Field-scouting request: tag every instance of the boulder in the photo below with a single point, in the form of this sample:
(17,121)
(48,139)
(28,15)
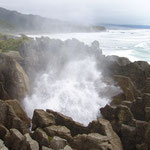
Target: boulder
(46,148)
(147,113)
(67,148)
(141,128)
(29,143)
(128,137)
(127,103)
(9,119)
(92,141)
(42,119)
(58,143)
(145,67)
(104,127)
(41,137)
(146,99)
(14,83)
(117,116)
(135,71)
(127,86)
(138,109)
(121,61)
(108,112)
(147,136)
(19,111)
(142,146)
(147,86)
(118,99)
(60,131)
(4,132)
(16,139)
(2,146)
(74,127)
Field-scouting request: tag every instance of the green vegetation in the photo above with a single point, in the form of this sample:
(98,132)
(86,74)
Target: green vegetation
(12,44)
(50,138)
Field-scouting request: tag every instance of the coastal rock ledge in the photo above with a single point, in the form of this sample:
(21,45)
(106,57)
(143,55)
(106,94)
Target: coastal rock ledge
(52,130)
(125,122)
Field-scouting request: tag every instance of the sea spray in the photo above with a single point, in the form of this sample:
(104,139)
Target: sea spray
(72,85)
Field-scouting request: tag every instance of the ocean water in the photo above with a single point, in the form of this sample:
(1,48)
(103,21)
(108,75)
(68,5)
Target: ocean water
(133,44)
(76,88)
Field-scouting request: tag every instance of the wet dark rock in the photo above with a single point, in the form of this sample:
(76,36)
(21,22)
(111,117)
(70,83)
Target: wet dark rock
(147,113)
(18,138)
(141,128)
(19,111)
(142,146)
(118,99)
(2,146)
(42,119)
(128,113)
(46,148)
(41,137)
(127,86)
(74,127)
(147,86)
(4,132)
(128,137)
(104,127)
(58,143)
(67,148)
(127,103)
(60,131)
(92,141)
(14,83)
(117,116)
(137,108)
(146,99)
(9,118)
(29,143)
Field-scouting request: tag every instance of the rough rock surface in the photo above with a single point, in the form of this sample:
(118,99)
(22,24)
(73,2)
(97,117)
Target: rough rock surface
(58,143)
(14,83)
(16,56)
(75,127)
(2,146)
(41,137)
(9,118)
(129,116)
(127,86)
(19,111)
(60,131)
(18,138)
(104,127)
(29,143)
(42,119)
(117,116)
(92,141)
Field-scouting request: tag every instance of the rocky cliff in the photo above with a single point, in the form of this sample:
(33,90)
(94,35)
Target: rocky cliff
(125,123)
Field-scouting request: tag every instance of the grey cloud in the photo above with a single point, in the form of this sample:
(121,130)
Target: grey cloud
(86,11)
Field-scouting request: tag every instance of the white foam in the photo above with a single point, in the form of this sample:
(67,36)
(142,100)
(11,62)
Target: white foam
(73,90)
(113,41)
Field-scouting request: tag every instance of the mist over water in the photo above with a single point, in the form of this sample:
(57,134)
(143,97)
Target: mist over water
(133,44)
(72,84)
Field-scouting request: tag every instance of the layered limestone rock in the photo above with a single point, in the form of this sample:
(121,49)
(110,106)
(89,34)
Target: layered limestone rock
(10,119)
(14,83)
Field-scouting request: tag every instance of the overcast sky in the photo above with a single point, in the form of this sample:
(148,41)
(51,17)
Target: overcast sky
(86,11)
